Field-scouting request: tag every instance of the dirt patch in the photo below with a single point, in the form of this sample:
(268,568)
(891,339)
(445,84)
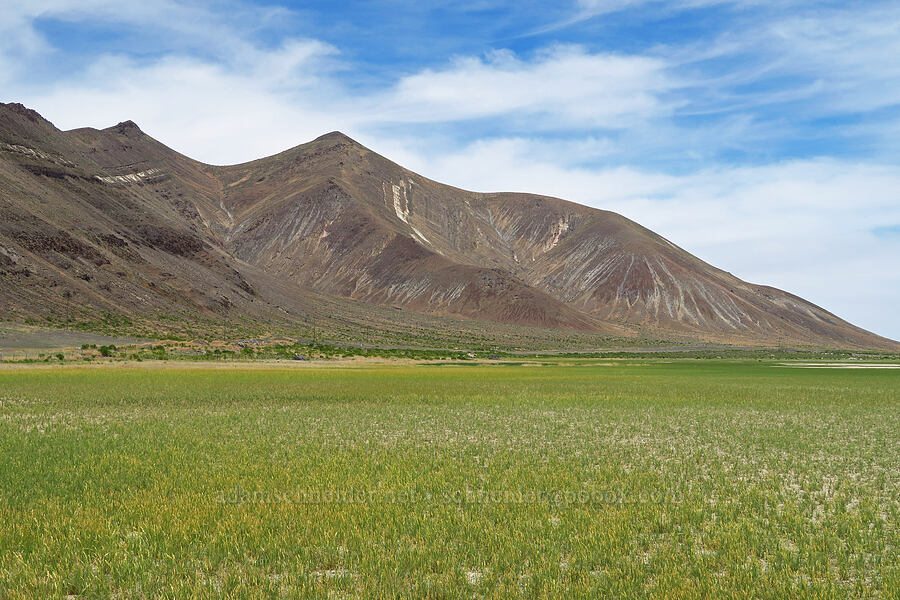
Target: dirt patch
(15,337)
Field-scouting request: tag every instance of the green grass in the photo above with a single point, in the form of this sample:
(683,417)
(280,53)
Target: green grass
(693,479)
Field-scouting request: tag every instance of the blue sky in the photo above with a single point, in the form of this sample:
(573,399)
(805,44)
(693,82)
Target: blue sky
(764,136)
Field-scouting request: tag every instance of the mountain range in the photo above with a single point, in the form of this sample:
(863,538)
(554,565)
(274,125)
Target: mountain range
(112,222)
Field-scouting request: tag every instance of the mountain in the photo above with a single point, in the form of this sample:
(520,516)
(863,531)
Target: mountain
(113,222)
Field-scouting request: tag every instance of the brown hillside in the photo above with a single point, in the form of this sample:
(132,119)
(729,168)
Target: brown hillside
(112,220)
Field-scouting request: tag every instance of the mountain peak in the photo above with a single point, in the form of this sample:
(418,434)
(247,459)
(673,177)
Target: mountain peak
(125,128)
(336,136)
(22,110)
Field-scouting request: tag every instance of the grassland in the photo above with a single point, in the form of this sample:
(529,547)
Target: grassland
(693,479)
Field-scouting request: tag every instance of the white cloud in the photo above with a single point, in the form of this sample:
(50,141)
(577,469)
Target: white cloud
(211,112)
(237,101)
(271,99)
(563,86)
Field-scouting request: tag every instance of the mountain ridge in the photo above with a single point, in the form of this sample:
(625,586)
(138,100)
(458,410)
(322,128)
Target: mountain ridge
(333,218)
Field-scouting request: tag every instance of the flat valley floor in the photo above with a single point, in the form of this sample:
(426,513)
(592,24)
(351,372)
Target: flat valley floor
(581,479)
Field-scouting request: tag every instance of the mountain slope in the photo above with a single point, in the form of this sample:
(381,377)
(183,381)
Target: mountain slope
(115,221)
(598,262)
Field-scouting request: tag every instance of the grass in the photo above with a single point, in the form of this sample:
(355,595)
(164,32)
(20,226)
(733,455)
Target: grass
(682,479)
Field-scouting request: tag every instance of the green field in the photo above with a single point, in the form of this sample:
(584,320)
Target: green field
(693,479)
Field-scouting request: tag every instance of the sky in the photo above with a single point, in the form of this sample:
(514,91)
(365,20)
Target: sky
(762,136)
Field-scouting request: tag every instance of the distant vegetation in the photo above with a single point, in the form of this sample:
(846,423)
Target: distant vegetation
(402,329)
(261,350)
